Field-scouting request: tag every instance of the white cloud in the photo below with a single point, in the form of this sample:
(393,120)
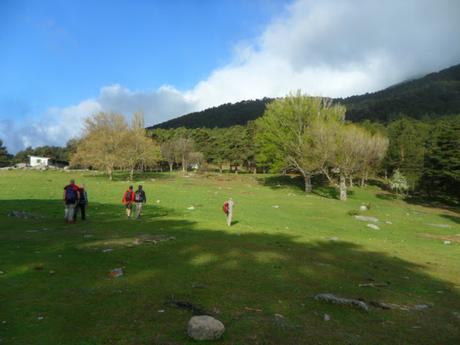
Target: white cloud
(329,47)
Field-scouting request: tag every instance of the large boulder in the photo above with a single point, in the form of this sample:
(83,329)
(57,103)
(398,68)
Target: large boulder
(204,327)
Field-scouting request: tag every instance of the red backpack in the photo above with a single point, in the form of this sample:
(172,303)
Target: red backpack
(225,207)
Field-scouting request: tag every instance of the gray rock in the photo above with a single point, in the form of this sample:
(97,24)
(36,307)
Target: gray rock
(367,219)
(445,226)
(205,327)
(373,226)
(327,317)
(363,208)
(330,298)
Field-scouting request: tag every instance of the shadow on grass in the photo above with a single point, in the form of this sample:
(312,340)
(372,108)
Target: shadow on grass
(243,279)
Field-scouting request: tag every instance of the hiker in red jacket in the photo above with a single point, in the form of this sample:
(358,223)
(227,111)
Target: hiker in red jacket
(128,200)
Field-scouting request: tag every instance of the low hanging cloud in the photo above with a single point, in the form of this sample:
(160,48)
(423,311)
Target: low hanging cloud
(330,48)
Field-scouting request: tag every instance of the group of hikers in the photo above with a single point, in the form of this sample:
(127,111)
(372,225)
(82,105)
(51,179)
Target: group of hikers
(76,200)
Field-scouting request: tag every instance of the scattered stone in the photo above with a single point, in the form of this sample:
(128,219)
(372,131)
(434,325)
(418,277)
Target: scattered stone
(421,306)
(333,239)
(393,306)
(23,215)
(456,314)
(205,327)
(116,272)
(158,201)
(161,311)
(107,250)
(388,222)
(275,206)
(375,285)
(447,242)
(440,225)
(253,309)
(367,219)
(1,272)
(373,226)
(40,318)
(363,208)
(51,272)
(280,321)
(330,298)
(153,239)
(191,208)
(87,236)
(327,317)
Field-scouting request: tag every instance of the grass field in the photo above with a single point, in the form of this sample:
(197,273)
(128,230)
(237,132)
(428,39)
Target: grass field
(55,287)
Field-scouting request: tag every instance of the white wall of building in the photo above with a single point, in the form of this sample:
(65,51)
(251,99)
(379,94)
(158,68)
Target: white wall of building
(38,161)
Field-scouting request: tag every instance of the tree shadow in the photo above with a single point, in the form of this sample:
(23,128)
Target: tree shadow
(452,218)
(386,196)
(282,182)
(260,285)
(427,201)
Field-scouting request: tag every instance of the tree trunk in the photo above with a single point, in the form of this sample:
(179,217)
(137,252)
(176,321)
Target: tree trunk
(109,172)
(255,171)
(131,174)
(220,168)
(307,181)
(363,181)
(183,164)
(343,188)
(350,179)
(236,169)
(171,166)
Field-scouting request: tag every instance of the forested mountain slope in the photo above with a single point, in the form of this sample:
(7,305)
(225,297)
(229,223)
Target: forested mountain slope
(435,94)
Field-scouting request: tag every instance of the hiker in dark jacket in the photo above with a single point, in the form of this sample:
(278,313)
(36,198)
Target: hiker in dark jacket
(140,200)
(71,197)
(82,203)
(128,200)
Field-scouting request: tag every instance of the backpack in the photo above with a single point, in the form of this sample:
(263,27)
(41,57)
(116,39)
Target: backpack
(225,207)
(128,196)
(83,200)
(70,194)
(139,196)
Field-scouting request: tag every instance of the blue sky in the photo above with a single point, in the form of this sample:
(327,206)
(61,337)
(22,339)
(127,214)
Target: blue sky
(55,53)
(62,61)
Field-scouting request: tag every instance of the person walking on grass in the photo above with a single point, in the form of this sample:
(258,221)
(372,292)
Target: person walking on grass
(128,200)
(82,203)
(228,210)
(140,200)
(71,198)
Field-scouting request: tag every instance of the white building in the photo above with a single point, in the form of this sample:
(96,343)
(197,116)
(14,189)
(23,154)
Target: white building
(38,161)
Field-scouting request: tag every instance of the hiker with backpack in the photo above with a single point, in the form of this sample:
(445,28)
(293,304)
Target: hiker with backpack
(140,200)
(71,197)
(128,200)
(228,210)
(82,202)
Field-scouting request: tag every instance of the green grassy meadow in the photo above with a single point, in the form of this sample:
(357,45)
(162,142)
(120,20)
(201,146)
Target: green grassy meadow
(273,260)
